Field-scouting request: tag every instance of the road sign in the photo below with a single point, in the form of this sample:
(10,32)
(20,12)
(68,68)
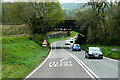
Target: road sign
(52,35)
(44,43)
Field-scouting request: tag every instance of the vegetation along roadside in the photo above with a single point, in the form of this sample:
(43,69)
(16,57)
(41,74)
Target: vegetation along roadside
(21,55)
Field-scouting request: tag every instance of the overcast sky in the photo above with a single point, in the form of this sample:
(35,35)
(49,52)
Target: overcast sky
(72,1)
(61,1)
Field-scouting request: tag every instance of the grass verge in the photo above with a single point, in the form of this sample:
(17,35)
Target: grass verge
(20,56)
(51,40)
(106,50)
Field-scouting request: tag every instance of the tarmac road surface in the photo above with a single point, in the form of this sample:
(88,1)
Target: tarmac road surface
(62,62)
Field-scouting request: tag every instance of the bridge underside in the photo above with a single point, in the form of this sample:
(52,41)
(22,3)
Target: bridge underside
(67,25)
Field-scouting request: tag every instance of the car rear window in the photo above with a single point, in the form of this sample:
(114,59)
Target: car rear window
(76,45)
(71,41)
(94,49)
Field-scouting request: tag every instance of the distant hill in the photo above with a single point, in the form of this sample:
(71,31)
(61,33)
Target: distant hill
(71,6)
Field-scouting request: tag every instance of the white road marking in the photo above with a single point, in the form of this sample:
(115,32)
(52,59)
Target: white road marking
(110,59)
(70,62)
(86,66)
(40,64)
(61,63)
(47,59)
(81,65)
(57,64)
(90,72)
(53,51)
(66,62)
(95,60)
(54,65)
(51,64)
(63,59)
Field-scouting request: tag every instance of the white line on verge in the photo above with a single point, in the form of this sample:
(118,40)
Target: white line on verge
(53,51)
(110,59)
(40,64)
(81,65)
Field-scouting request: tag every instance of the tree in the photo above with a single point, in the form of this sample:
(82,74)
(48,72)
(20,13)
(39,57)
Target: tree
(100,22)
(38,15)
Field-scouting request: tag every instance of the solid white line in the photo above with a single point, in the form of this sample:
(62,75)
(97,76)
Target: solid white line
(86,66)
(53,51)
(39,65)
(110,59)
(83,65)
(80,65)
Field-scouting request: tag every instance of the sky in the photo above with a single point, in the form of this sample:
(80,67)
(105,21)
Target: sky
(72,1)
(61,1)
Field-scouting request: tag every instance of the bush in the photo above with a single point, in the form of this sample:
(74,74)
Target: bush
(38,38)
(79,39)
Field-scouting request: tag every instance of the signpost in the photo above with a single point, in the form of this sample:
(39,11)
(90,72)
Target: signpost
(52,35)
(44,43)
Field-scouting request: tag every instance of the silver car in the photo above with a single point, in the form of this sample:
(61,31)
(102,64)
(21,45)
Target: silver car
(93,52)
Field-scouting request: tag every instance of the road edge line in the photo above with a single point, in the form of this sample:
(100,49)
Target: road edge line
(90,72)
(110,59)
(81,65)
(41,64)
(86,67)
(53,51)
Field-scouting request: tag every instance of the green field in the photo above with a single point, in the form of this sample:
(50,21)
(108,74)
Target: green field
(106,50)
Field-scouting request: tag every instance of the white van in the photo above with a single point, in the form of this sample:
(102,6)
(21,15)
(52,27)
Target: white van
(69,42)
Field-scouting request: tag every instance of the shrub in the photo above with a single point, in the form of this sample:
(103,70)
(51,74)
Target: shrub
(38,38)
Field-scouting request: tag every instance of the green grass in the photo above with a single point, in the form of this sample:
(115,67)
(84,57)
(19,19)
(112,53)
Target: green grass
(51,40)
(20,56)
(106,50)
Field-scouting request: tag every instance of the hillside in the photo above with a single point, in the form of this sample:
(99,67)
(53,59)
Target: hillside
(72,6)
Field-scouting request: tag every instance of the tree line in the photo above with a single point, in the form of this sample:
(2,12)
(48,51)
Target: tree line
(38,15)
(100,22)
